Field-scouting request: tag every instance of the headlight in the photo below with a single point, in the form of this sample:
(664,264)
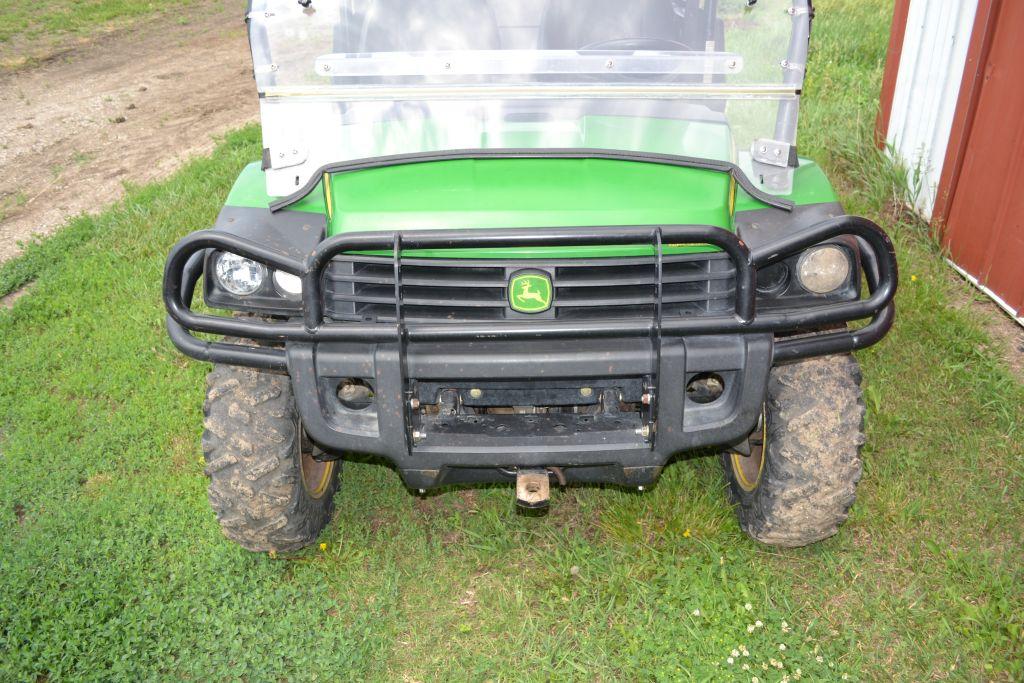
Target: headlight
(823,269)
(239,275)
(287,285)
(773,279)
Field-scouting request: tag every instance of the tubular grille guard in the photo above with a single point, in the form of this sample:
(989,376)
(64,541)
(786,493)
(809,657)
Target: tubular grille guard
(184,267)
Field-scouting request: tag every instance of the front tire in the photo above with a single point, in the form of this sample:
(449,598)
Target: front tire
(799,481)
(267,491)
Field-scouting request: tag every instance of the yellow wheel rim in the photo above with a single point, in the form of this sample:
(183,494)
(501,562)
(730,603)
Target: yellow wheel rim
(747,469)
(316,475)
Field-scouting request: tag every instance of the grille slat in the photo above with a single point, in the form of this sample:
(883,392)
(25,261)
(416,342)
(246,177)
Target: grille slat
(361,288)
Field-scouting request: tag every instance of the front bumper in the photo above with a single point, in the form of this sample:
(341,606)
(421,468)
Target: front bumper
(408,363)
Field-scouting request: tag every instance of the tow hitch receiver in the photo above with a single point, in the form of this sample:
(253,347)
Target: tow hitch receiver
(533,489)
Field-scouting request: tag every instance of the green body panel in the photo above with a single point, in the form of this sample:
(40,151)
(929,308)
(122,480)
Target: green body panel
(250,190)
(810,186)
(539,193)
(526,193)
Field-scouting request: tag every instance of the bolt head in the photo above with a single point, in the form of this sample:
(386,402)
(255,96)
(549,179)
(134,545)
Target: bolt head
(414,403)
(586,392)
(475,393)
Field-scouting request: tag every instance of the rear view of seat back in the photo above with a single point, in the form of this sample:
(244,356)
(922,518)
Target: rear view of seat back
(423,25)
(578,24)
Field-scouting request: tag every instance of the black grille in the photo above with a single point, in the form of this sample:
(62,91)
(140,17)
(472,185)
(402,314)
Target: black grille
(362,288)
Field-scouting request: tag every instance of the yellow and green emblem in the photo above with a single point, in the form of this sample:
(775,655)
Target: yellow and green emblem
(529,292)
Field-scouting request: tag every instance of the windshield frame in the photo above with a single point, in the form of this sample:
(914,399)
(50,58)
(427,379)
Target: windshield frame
(482,76)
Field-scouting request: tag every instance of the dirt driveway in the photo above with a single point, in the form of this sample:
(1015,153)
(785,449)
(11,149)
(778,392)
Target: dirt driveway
(131,107)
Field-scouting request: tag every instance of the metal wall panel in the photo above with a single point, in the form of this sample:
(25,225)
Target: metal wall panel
(930,72)
(984,228)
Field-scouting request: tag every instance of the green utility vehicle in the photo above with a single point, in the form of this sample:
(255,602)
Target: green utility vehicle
(540,242)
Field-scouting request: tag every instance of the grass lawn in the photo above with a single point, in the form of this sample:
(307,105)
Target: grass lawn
(112,565)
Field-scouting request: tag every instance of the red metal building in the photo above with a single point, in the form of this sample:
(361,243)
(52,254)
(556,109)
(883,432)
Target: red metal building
(965,57)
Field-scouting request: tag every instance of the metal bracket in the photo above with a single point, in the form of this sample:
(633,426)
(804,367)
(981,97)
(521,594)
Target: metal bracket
(774,153)
(797,11)
(284,156)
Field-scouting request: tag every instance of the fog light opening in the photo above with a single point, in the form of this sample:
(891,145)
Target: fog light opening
(706,387)
(355,394)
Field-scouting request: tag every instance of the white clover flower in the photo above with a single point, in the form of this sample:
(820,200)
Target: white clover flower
(782,646)
(845,677)
(748,607)
(755,679)
(759,623)
(735,653)
(750,628)
(729,660)
(746,667)
(819,659)
(696,612)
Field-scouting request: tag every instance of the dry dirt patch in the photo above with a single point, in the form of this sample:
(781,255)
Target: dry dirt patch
(130,107)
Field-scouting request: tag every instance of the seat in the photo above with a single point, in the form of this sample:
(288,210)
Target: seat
(614,24)
(426,25)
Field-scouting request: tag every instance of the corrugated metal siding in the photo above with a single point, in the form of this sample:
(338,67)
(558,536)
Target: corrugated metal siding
(984,221)
(930,71)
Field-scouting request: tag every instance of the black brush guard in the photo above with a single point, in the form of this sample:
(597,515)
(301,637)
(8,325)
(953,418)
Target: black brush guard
(185,263)
(403,357)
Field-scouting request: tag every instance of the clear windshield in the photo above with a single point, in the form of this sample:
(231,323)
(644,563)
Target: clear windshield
(353,79)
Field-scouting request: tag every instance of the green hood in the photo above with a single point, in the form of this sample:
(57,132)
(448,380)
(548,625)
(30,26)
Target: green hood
(526,193)
(530,193)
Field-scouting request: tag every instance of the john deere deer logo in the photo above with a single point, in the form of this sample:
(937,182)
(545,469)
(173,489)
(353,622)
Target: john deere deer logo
(529,292)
